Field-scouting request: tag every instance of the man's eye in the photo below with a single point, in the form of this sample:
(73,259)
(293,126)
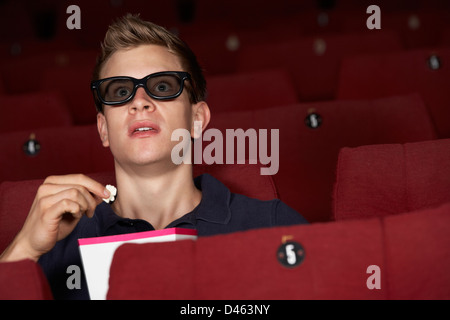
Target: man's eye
(162,87)
(122,92)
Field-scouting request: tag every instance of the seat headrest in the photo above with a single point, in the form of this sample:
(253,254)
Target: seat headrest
(380,180)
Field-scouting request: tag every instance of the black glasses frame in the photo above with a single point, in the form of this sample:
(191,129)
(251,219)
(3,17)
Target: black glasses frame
(99,101)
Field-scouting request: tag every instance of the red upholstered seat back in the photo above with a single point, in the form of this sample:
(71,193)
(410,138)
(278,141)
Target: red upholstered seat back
(250,90)
(410,250)
(78,94)
(33,111)
(65,150)
(308,156)
(23,280)
(417,254)
(380,75)
(244,265)
(389,179)
(314,61)
(33,66)
(16,197)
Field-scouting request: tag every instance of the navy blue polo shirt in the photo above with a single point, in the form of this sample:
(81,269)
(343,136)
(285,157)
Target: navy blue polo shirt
(218,212)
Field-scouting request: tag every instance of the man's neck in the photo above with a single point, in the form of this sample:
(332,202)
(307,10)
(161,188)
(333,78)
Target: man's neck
(158,198)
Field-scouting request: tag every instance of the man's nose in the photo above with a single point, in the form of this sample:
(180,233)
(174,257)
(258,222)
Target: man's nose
(141,101)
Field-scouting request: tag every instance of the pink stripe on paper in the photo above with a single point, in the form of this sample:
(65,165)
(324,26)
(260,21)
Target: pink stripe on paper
(137,235)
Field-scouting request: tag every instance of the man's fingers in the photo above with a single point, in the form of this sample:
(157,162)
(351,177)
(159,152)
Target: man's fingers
(60,203)
(67,195)
(90,184)
(63,217)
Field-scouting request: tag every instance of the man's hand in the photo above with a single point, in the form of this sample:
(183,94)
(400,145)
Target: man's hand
(59,204)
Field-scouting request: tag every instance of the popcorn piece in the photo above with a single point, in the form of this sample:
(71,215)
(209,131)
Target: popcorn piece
(113,191)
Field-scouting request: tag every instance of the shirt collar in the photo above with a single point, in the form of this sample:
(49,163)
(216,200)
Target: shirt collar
(214,206)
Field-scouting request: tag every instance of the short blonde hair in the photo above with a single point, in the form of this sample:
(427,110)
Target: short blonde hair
(131,31)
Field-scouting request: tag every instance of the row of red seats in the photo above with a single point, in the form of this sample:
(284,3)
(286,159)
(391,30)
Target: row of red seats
(335,256)
(310,136)
(314,62)
(338,256)
(414,29)
(36,110)
(212,42)
(423,71)
(419,22)
(339,13)
(219,46)
(219,53)
(406,256)
(334,74)
(47,19)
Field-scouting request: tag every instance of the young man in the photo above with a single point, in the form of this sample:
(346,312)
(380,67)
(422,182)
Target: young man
(147,83)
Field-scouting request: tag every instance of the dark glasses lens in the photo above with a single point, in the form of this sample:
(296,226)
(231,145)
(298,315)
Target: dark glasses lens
(164,85)
(161,86)
(116,90)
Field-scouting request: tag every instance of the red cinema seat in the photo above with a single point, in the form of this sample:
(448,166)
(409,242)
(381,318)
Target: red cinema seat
(27,47)
(2,87)
(424,71)
(311,134)
(33,111)
(245,13)
(25,74)
(249,91)
(245,265)
(332,21)
(73,82)
(23,280)
(16,197)
(416,251)
(445,40)
(388,179)
(217,43)
(417,28)
(314,61)
(214,44)
(35,154)
(398,257)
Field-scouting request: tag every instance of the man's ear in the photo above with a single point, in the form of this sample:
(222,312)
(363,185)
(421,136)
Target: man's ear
(200,112)
(102,129)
